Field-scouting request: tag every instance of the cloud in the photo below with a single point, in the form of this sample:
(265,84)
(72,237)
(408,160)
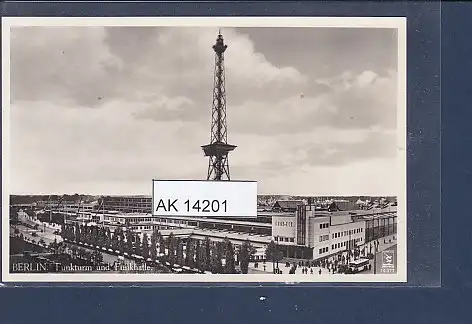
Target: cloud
(105,110)
(354,101)
(375,145)
(62,64)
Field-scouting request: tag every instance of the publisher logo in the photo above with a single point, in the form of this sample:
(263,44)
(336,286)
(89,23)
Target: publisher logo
(388,262)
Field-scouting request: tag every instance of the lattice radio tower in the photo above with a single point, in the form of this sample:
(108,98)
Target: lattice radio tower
(218,149)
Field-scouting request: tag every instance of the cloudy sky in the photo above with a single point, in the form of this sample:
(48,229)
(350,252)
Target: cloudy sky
(104,110)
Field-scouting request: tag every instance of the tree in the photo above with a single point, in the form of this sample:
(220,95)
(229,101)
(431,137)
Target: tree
(229,256)
(272,253)
(246,251)
(162,245)
(145,246)
(113,239)
(54,246)
(99,233)
(153,248)
(129,242)
(74,251)
(97,257)
(77,233)
(215,258)
(107,237)
(171,248)
(120,238)
(180,252)
(206,256)
(198,255)
(189,249)
(88,234)
(137,250)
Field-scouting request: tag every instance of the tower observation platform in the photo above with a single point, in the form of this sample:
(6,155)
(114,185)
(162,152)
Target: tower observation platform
(218,149)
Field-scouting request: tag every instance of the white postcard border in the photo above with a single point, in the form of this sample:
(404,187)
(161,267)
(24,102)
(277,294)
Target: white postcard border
(398,23)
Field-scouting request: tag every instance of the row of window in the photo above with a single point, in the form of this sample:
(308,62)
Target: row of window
(338,245)
(143,227)
(344,244)
(324,225)
(324,238)
(346,233)
(140,220)
(128,200)
(284,239)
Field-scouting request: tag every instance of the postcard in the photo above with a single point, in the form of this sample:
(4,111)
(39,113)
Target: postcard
(204,150)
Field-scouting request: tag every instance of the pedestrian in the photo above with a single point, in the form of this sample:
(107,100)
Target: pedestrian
(311,271)
(319,271)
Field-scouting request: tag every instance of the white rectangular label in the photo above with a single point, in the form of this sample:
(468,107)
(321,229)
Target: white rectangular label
(204,198)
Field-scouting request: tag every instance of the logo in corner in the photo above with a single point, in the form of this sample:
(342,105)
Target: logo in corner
(388,261)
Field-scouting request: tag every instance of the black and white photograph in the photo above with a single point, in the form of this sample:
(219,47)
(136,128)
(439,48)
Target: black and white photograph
(312,110)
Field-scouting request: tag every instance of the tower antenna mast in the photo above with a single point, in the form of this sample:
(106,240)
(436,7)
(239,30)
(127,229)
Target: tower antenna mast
(218,149)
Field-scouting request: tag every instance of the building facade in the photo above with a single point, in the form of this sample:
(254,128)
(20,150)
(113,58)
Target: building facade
(127,204)
(313,234)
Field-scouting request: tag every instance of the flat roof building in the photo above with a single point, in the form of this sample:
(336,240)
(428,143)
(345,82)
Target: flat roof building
(313,234)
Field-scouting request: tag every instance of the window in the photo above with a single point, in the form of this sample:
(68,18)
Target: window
(276,238)
(320,251)
(292,239)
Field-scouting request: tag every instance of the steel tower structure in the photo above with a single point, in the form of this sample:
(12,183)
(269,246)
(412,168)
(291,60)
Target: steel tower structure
(218,149)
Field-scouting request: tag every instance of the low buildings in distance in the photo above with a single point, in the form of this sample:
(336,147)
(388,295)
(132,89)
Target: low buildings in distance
(311,228)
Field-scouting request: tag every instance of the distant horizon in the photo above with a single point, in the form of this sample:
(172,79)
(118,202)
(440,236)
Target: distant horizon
(150,195)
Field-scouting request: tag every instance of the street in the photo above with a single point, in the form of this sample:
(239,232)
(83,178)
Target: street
(48,237)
